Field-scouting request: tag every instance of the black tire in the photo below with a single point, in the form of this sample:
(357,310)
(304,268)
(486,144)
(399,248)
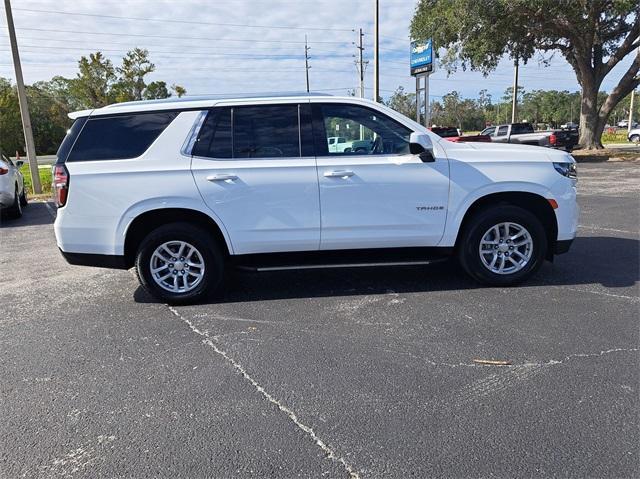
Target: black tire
(23,197)
(205,244)
(634,138)
(15,210)
(469,244)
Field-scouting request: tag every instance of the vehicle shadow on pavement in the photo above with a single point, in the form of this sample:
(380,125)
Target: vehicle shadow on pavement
(610,262)
(34,214)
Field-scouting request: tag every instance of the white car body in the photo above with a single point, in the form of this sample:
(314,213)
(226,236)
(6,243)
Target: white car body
(303,204)
(9,181)
(634,135)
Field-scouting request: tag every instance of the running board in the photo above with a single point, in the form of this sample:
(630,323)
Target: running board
(262,269)
(341,259)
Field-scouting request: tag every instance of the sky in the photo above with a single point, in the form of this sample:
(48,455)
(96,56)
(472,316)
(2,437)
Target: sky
(249,46)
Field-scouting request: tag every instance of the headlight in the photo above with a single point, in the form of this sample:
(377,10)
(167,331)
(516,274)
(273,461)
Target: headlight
(567,169)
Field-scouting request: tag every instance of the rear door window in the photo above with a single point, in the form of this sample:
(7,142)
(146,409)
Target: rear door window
(502,131)
(520,128)
(214,140)
(118,137)
(266,131)
(260,131)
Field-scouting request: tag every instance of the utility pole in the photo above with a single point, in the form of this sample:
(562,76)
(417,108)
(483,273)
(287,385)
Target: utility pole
(361,62)
(306,60)
(22,100)
(514,105)
(361,66)
(376,53)
(633,94)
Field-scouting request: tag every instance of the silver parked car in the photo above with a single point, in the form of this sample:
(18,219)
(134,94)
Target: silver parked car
(13,195)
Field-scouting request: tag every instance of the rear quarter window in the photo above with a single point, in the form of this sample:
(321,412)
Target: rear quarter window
(118,137)
(70,139)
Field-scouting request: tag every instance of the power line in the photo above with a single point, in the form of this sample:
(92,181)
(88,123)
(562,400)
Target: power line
(249,56)
(145,44)
(188,22)
(173,37)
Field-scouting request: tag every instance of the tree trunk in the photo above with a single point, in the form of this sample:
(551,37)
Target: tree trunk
(590,127)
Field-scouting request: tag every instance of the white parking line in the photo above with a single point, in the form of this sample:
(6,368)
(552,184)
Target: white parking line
(329,452)
(598,228)
(52,212)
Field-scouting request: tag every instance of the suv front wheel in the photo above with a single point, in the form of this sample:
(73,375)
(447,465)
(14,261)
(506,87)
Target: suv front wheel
(503,245)
(179,263)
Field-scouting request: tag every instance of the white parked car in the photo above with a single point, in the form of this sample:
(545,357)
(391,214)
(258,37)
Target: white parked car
(634,135)
(13,195)
(182,189)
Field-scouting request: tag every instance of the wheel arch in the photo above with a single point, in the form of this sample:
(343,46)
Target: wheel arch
(532,202)
(145,222)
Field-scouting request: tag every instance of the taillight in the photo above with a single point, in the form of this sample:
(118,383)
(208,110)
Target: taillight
(3,170)
(553,139)
(60,184)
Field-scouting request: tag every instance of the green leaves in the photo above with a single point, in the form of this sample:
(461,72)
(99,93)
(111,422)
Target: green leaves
(99,82)
(592,35)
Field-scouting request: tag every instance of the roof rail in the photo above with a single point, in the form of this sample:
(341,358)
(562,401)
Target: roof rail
(222,96)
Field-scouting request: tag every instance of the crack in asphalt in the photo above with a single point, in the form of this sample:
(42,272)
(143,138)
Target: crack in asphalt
(551,362)
(328,451)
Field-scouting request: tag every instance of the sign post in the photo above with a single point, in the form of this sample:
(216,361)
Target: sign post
(421,62)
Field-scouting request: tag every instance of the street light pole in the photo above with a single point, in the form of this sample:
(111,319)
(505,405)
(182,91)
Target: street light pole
(22,100)
(376,53)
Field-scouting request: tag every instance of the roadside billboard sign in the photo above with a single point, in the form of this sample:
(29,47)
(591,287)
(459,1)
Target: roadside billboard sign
(421,58)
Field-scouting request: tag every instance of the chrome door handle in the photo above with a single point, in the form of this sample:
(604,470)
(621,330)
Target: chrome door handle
(221,177)
(338,174)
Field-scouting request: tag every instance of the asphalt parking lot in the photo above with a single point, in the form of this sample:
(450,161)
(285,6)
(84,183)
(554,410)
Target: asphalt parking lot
(337,373)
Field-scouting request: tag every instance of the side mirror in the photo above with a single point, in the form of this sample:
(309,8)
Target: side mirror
(19,163)
(420,144)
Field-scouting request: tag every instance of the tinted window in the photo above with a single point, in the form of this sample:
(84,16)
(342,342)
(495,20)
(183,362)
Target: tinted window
(70,139)
(488,131)
(214,140)
(445,132)
(364,131)
(502,130)
(119,137)
(266,131)
(519,128)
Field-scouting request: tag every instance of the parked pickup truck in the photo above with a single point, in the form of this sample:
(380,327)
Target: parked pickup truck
(524,134)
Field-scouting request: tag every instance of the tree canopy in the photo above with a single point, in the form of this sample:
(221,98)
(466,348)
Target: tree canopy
(593,36)
(97,83)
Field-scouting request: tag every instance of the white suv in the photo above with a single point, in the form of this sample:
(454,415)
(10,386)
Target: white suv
(182,189)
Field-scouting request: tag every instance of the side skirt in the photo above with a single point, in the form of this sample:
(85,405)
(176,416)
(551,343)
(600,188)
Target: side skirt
(340,259)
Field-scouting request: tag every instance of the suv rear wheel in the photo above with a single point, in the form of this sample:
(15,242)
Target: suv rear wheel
(503,245)
(179,263)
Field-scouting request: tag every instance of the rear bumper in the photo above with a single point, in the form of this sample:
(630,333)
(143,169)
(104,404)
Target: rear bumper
(95,260)
(563,246)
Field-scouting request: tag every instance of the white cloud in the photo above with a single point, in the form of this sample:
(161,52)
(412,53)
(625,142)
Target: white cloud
(215,59)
